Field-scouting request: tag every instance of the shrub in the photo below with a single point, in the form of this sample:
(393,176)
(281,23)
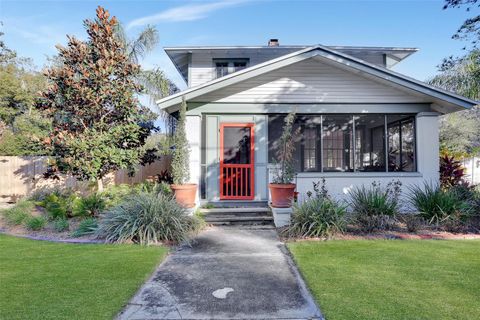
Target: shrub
(164,188)
(375,208)
(147,218)
(56,206)
(61,224)
(60,205)
(181,153)
(317,217)
(452,172)
(115,194)
(152,187)
(91,205)
(35,223)
(18,213)
(165,176)
(285,168)
(86,227)
(437,206)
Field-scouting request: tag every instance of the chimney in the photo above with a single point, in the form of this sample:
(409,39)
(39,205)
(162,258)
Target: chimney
(273,43)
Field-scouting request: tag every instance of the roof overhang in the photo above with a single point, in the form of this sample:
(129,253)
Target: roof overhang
(445,101)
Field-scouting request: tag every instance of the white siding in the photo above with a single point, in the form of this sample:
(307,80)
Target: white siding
(310,81)
(202,69)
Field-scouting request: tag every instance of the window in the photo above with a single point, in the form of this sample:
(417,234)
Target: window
(221,69)
(370,143)
(227,66)
(337,137)
(401,143)
(239,65)
(347,143)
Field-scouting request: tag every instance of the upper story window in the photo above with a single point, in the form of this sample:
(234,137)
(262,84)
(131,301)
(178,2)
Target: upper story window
(227,66)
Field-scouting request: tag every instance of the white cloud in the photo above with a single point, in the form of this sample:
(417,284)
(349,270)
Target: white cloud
(44,35)
(184,13)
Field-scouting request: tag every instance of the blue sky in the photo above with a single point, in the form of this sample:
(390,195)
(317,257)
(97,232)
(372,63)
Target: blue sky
(34,27)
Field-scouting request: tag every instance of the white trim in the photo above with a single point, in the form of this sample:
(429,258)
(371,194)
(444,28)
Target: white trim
(358,174)
(325,53)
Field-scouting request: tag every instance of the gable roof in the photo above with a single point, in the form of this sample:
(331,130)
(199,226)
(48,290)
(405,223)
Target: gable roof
(448,101)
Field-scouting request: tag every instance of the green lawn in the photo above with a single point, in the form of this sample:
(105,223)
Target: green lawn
(392,279)
(43,280)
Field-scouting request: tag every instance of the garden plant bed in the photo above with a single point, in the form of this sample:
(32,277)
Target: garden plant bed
(45,280)
(46,233)
(420,235)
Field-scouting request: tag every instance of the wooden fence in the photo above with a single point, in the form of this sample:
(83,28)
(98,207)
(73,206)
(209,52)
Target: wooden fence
(20,176)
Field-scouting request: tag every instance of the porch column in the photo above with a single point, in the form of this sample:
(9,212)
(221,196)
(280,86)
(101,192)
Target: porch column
(428,145)
(193,130)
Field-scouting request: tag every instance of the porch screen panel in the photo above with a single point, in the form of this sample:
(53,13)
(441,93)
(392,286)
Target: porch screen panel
(401,143)
(310,149)
(337,137)
(236,145)
(349,142)
(370,143)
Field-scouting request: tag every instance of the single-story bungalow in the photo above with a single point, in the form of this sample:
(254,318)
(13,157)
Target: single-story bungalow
(359,121)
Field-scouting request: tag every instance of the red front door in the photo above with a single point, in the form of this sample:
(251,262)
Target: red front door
(236,161)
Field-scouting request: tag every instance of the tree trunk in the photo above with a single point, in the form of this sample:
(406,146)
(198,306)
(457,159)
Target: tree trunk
(99,185)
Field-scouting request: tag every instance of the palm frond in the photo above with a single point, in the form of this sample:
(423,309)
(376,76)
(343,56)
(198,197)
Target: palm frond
(462,76)
(143,44)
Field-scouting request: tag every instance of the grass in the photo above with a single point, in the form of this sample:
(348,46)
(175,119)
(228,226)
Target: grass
(44,280)
(391,279)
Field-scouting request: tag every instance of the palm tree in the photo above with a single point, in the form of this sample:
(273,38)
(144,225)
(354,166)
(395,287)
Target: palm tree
(155,82)
(459,132)
(460,75)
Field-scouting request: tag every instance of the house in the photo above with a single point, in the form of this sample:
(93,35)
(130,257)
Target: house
(359,121)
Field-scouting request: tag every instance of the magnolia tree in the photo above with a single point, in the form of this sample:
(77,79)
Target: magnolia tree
(99,125)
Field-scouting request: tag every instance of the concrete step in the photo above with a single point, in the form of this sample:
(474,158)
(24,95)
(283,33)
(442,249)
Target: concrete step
(250,211)
(238,220)
(237,203)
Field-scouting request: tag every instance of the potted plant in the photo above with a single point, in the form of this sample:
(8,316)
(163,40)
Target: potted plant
(282,189)
(184,192)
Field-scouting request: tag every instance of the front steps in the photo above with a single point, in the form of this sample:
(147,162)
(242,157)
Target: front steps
(245,216)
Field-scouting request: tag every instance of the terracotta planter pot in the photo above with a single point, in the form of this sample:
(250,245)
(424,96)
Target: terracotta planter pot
(185,194)
(282,194)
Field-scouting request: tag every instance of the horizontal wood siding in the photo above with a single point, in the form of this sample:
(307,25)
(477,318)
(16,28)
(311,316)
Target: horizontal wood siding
(202,69)
(310,81)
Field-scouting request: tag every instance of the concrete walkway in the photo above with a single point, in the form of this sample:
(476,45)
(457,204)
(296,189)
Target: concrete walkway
(228,273)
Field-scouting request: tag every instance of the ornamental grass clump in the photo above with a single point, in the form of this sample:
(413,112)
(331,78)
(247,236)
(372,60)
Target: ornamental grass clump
(375,208)
(146,218)
(17,214)
(86,227)
(318,216)
(440,207)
